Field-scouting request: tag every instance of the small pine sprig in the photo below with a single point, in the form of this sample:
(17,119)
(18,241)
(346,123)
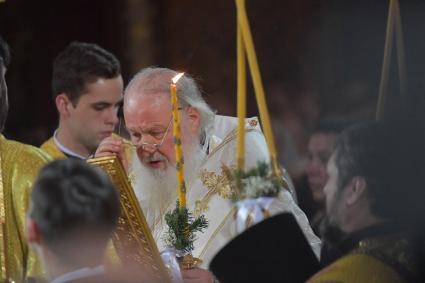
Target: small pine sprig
(182,227)
(256,182)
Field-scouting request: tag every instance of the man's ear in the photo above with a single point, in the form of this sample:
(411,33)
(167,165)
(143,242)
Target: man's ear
(33,233)
(194,119)
(356,190)
(63,104)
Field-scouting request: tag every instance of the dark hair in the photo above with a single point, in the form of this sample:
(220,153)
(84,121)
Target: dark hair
(81,63)
(71,202)
(4,52)
(391,158)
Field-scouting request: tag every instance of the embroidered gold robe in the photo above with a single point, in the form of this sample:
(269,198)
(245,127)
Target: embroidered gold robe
(19,168)
(51,148)
(380,259)
(209,192)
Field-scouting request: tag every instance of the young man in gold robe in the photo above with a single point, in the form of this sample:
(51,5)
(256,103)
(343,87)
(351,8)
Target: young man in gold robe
(87,90)
(19,167)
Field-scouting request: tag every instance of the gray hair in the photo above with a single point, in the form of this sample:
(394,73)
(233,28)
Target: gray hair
(155,80)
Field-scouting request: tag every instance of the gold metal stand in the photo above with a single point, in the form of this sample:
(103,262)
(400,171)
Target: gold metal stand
(188,262)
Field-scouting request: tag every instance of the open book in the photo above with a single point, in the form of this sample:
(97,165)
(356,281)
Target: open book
(132,238)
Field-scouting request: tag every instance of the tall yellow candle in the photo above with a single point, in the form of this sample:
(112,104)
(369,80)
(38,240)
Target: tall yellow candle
(385,73)
(394,28)
(258,85)
(241,104)
(177,142)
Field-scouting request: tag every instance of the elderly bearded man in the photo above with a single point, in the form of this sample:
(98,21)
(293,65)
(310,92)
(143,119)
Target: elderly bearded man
(209,142)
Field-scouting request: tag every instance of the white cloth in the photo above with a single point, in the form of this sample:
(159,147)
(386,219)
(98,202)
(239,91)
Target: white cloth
(209,193)
(79,274)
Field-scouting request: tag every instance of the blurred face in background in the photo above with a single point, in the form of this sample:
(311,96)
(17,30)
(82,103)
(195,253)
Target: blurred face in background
(320,148)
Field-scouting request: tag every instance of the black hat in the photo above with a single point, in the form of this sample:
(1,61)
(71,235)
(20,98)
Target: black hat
(275,250)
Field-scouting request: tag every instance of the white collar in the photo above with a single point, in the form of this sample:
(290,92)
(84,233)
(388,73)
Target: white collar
(64,149)
(80,273)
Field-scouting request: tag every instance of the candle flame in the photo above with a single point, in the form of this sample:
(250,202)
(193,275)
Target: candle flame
(177,77)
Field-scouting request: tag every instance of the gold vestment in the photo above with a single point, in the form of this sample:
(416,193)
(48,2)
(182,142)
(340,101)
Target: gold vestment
(20,164)
(52,149)
(380,259)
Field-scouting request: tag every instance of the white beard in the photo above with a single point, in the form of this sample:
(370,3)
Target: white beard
(156,189)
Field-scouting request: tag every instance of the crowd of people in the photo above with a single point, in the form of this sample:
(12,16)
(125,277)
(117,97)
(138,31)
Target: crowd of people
(58,217)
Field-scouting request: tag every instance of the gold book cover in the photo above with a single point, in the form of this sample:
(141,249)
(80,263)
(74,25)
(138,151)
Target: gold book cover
(132,238)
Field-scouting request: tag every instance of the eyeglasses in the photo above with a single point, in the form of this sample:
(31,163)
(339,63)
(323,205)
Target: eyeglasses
(154,146)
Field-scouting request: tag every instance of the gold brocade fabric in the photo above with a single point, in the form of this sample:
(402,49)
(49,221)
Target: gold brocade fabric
(19,167)
(384,259)
(53,150)
(357,268)
(50,147)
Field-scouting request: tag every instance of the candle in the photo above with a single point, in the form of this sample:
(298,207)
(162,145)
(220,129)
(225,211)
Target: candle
(258,86)
(394,28)
(177,142)
(241,104)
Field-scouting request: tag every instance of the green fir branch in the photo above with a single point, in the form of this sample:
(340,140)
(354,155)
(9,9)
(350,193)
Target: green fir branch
(182,227)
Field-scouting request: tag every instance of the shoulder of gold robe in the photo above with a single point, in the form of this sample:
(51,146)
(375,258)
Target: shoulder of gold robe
(51,148)
(357,268)
(20,166)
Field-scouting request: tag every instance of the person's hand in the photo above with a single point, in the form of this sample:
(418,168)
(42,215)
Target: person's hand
(197,275)
(113,146)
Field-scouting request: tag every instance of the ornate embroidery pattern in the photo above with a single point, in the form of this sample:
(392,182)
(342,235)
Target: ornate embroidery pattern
(216,184)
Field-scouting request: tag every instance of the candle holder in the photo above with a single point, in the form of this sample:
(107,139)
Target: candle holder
(188,261)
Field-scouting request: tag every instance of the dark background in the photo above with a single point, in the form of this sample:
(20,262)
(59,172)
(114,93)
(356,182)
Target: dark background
(318,59)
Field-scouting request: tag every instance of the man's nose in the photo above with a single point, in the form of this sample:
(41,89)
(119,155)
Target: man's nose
(150,149)
(147,144)
(144,152)
(112,117)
